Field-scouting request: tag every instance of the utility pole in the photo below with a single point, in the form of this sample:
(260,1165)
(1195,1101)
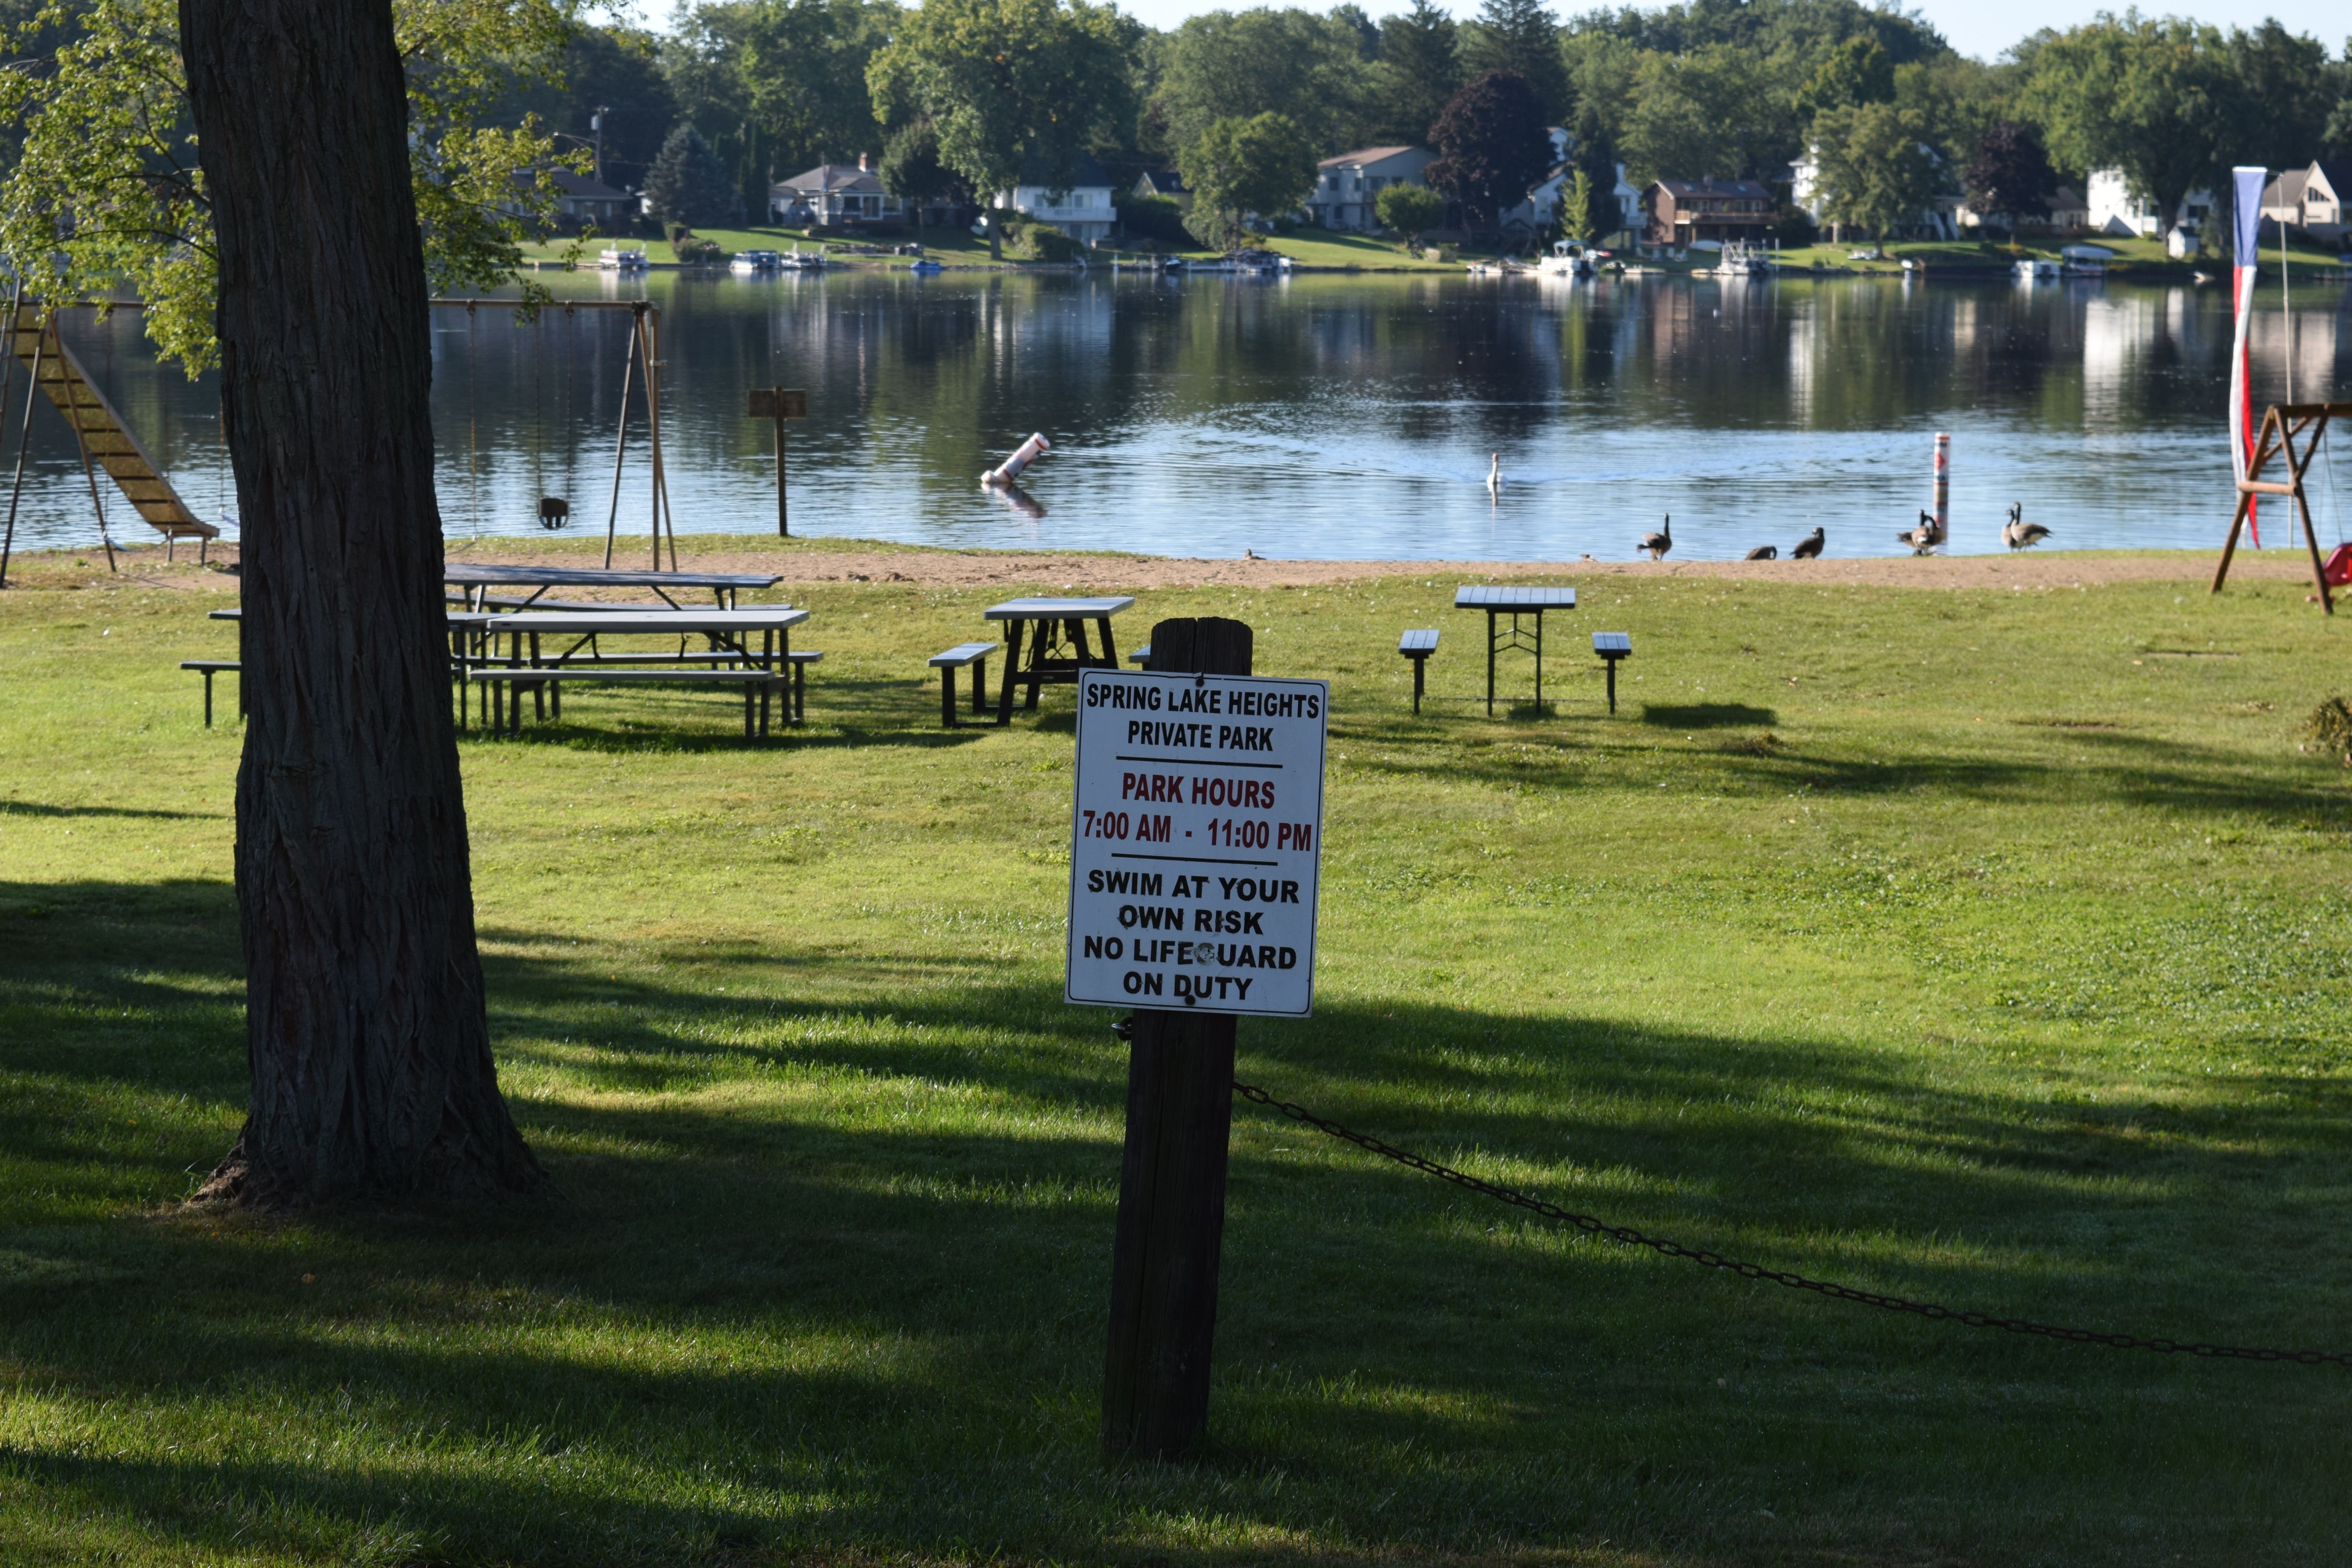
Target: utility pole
(596,123)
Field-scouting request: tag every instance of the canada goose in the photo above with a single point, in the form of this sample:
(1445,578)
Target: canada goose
(1809,547)
(1658,543)
(1765,553)
(1922,538)
(2018,533)
(1495,474)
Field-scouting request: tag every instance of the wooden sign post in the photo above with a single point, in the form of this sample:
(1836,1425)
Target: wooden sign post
(778,404)
(1238,765)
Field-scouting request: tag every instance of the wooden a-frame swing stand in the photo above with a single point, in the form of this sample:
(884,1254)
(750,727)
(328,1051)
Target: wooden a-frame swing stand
(2283,424)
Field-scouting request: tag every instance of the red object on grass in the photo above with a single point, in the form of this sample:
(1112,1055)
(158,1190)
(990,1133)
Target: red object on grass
(2338,568)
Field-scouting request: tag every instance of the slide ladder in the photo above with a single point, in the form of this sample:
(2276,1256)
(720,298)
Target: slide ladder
(104,435)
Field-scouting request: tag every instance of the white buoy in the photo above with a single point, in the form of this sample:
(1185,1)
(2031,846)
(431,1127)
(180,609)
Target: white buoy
(1943,508)
(1028,452)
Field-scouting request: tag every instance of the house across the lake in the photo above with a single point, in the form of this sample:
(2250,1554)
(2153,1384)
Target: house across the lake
(832,195)
(1347,187)
(2313,199)
(2114,209)
(1164,183)
(1083,210)
(1533,216)
(1685,211)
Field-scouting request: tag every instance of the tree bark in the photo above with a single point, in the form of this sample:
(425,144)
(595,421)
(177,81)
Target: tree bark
(366,1036)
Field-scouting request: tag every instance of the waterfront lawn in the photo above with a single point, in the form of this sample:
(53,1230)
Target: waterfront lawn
(2133,256)
(1988,946)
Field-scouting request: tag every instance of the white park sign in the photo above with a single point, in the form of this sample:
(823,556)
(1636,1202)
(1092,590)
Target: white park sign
(1196,842)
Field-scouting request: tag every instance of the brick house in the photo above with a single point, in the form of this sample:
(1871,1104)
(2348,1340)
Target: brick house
(1681,211)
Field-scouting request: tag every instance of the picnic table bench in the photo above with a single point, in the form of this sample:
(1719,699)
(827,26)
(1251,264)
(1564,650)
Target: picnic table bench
(1498,601)
(1417,646)
(761,671)
(1056,648)
(1612,647)
(973,654)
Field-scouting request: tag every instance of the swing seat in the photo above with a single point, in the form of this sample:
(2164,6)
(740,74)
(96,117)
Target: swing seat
(2337,568)
(554,511)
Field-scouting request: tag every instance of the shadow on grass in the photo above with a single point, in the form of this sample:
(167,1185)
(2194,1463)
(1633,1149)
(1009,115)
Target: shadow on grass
(1708,716)
(40,808)
(831,1271)
(847,713)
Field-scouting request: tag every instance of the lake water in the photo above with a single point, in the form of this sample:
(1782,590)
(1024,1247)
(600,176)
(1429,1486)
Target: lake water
(1323,416)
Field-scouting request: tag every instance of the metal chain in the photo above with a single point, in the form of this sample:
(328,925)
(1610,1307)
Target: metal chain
(1591,1226)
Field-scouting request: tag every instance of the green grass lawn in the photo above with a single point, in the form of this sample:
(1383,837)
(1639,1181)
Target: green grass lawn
(2141,256)
(1988,946)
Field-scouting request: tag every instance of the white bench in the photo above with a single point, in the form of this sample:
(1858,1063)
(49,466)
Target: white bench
(974,654)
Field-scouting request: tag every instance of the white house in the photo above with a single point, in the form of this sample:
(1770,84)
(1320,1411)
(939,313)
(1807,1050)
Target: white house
(1348,186)
(2113,209)
(1084,211)
(1536,214)
(832,194)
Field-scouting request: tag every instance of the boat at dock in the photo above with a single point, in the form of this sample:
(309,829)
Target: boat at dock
(1568,258)
(621,261)
(752,262)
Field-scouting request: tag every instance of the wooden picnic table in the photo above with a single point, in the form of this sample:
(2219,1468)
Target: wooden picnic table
(729,633)
(1056,648)
(478,579)
(1514,603)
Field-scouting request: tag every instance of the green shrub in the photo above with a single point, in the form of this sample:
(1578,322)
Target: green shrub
(692,251)
(1150,218)
(1044,242)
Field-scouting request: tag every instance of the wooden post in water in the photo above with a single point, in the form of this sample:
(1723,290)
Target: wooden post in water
(778,404)
(1171,1186)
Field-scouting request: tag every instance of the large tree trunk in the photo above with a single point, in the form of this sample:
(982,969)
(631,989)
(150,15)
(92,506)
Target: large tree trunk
(365,1030)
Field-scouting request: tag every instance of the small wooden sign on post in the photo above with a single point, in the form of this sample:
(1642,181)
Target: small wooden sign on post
(778,404)
(1196,842)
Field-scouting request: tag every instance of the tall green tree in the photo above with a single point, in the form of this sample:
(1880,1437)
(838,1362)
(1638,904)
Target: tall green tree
(1419,70)
(1875,172)
(1491,146)
(617,69)
(2146,95)
(1010,86)
(1237,168)
(688,184)
(911,169)
(2282,89)
(368,1058)
(1856,72)
(109,187)
(1593,152)
(2008,174)
(1576,207)
(1521,38)
(1710,113)
(1234,65)
(804,64)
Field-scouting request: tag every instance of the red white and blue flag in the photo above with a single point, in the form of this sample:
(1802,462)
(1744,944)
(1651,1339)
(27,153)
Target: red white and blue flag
(2246,211)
